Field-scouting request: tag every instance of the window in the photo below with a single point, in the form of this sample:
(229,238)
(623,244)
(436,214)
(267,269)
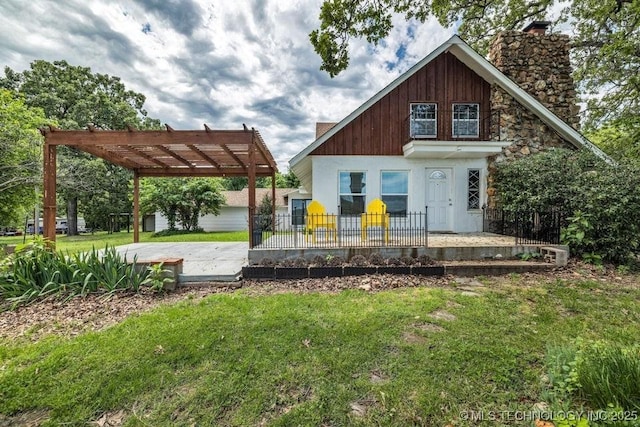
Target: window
(395,191)
(465,120)
(352,192)
(473,191)
(423,120)
(299,211)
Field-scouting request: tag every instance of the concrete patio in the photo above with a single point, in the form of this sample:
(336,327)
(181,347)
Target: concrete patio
(202,261)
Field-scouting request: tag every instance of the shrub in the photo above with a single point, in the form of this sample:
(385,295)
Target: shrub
(267,262)
(601,201)
(336,261)
(425,260)
(358,261)
(300,262)
(319,261)
(394,261)
(376,259)
(407,260)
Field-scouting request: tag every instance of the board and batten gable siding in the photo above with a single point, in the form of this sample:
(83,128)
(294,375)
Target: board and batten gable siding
(380,130)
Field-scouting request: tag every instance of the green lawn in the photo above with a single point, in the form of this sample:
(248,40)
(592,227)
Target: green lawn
(413,356)
(99,240)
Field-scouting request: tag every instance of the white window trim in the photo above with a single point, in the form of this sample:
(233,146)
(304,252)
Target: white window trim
(435,120)
(453,119)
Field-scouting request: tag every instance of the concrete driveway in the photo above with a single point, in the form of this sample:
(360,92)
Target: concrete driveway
(203,261)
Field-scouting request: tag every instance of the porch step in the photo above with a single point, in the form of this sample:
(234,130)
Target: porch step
(555,254)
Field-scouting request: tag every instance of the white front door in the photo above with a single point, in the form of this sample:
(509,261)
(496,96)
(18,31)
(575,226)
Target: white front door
(439,199)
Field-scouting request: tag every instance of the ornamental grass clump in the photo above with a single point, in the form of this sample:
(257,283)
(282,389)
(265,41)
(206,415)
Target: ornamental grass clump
(36,271)
(603,375)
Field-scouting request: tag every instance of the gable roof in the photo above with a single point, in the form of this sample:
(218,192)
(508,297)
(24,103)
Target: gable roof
(240,198)
(481,66)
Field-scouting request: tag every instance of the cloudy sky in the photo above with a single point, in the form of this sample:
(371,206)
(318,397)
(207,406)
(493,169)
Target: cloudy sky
(223,63)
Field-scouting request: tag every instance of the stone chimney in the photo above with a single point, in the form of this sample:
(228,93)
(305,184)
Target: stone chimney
(539,63)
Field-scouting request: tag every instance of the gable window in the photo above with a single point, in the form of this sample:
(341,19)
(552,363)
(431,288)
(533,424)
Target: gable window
(473,189)
(352,192)
(395,191)
(466,121)
(423,120)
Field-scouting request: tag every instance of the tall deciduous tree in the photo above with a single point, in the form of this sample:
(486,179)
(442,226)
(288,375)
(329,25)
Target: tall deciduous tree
(606,36)
(20,156)
(74,96)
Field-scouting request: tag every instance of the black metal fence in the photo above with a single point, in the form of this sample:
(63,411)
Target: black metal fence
(332,231)
(528,227)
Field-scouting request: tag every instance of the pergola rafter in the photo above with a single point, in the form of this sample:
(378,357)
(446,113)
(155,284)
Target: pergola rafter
(163,153)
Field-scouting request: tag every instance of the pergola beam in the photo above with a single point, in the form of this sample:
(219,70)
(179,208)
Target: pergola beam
(146,156)
(146,138)
(204,156)
(236,158)
(175,156)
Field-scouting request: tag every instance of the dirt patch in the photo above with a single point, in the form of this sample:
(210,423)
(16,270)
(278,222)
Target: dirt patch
(412,338)
(25,419)
(443,315)
(110,419)
(429,327)
(377,377)
(360,407)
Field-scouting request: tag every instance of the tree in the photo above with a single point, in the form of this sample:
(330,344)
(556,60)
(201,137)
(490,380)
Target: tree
(606,36)
(287,180)
(265,214)
(182,200)
(73,97)
(20,156)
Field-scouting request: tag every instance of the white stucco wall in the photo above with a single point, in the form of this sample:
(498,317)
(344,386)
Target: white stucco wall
(326,186)
(231,218)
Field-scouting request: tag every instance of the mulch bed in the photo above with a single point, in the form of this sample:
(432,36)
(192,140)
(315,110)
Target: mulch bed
(97,312)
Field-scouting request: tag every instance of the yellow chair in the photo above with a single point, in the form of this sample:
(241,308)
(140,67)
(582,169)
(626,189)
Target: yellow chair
(317,217)
(376,216)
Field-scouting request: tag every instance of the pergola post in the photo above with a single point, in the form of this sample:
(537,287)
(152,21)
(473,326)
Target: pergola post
(273,201)
(49,185)
(252,188)
(136,207)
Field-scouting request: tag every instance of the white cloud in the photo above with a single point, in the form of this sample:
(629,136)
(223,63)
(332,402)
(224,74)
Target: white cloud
(220,63)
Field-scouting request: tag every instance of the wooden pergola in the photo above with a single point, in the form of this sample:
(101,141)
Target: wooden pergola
(163,153)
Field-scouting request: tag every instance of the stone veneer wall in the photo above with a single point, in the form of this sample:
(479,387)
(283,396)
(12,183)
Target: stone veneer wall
(539,63)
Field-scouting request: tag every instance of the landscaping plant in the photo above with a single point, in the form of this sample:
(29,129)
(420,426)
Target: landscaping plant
(36,271)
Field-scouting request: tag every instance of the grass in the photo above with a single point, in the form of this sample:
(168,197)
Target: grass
(352,358)
(99,240)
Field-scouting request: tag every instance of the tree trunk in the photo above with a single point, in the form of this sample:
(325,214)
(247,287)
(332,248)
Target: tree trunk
(72,216)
